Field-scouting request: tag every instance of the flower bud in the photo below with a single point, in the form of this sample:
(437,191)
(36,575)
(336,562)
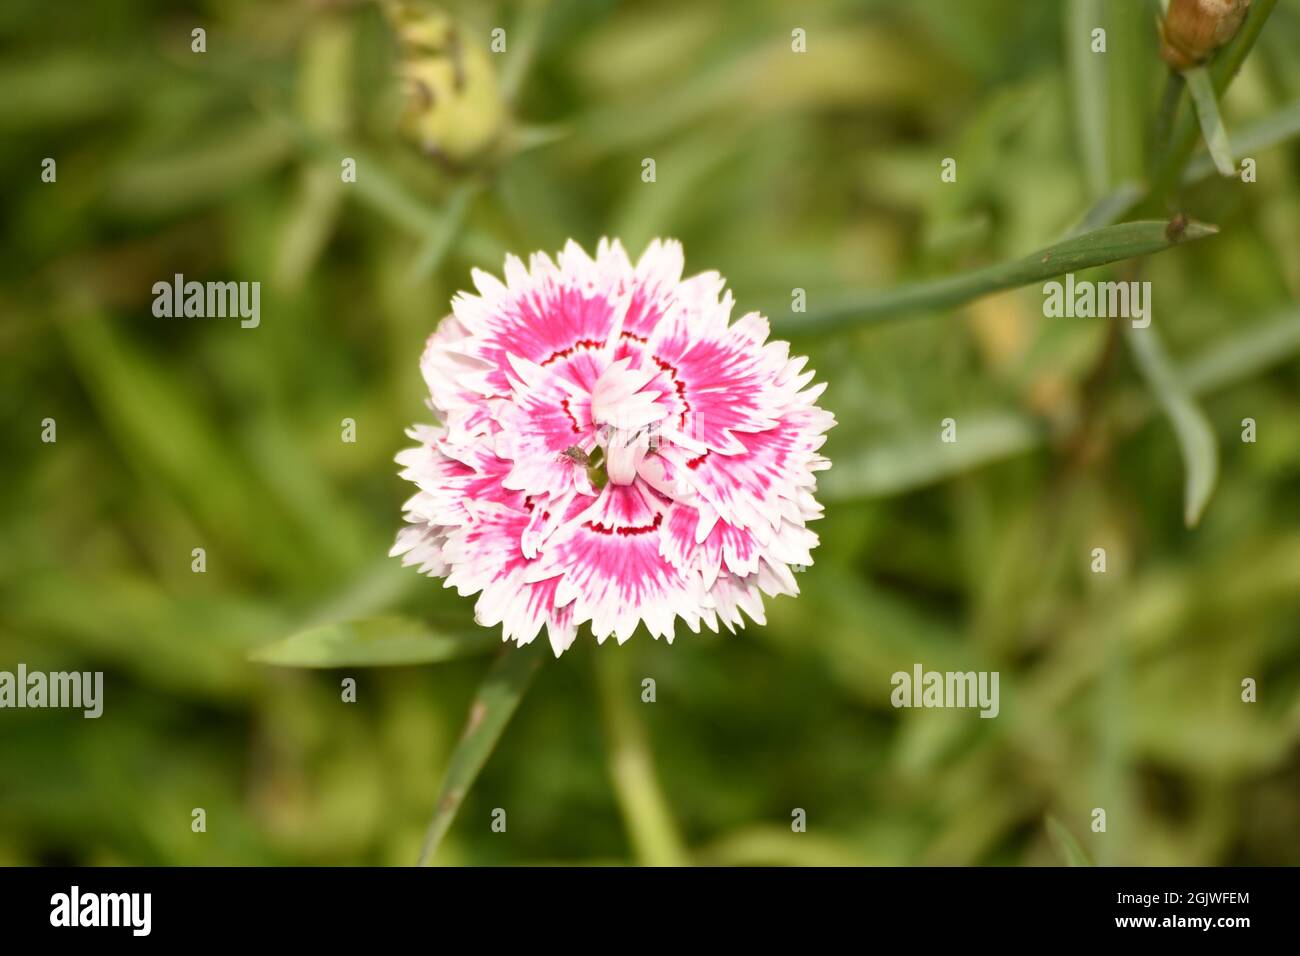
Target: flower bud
(1194,29)
(453,108)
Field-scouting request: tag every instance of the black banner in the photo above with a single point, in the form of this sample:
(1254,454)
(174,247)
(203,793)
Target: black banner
(333,906)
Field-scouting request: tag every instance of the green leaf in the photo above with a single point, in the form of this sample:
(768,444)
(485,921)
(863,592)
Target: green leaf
(1256,137)
(208,170)
(171,437)
(1273,130)
(525,37)
(372,642)
(1090,86)
(1068,846)
(1110,207)
(1128,63)
(436,246)
(1195,435)
(900,464)
(526,137)
(1207,112)
(918,458)
(1250,351)
(1097,248)
(494,704)
(384,192)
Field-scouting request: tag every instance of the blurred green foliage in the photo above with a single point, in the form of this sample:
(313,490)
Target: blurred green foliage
(781,170)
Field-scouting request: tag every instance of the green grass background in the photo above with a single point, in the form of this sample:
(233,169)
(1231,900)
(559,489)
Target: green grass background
(817,171)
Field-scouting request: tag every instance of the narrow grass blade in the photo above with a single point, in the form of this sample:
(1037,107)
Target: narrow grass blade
(439,242)
(375,186)
(1090,86)
(902,464)
(1251,351)
(156,186)
(1067,845)
(1272,130)
(493,706)
(169,436)
(917,459)
(372,642)
(1195,436)
(535,136)
(386,195)
(1110,208)
(526,34)
(1097,248)
(1129,66)
(1207,112)
(308,226)
(1258,136)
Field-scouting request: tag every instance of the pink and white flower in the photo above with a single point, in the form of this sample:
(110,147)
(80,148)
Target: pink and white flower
(614,450)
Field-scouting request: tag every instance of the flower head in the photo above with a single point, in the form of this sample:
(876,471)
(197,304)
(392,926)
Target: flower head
(614,450)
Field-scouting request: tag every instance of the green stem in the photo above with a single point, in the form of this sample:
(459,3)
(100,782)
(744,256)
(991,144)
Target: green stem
(1273,130)
(649,822)
(1225,66)
(1167,113)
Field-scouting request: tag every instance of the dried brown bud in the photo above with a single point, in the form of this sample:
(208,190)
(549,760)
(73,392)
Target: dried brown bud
(1194,29)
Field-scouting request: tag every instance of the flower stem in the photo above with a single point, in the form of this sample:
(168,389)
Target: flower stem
(649,822)
(1169,170)
(1168,112)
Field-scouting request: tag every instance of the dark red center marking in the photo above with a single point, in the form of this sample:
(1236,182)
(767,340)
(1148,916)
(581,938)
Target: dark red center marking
(577,430)
(679,385)
(625,532)
(565,353)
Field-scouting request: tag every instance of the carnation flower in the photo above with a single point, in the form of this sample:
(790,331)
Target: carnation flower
(614,450)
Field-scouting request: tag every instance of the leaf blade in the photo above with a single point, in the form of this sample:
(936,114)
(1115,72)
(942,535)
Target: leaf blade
(917,459)
(906,462)
(1207,113)
(1272,130)
(1066,844)
(1196,437)
(494,704)
(1096,248)
(381,641)
(1090,85)
(439,241)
